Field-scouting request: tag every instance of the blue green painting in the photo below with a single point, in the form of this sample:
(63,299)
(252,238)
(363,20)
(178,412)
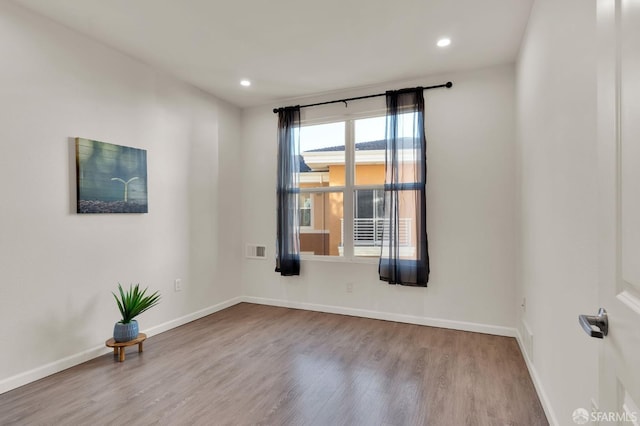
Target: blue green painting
(110,178)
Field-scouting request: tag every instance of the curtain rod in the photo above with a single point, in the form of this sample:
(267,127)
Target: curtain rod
(448,85)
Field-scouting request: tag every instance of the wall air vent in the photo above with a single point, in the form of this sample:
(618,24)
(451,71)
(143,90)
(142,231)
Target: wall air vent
(256,251)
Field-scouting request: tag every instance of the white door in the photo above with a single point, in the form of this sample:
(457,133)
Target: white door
(619,203)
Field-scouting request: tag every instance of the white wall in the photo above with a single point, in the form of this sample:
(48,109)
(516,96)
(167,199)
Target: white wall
(471,212)
(58,268)
(556,92)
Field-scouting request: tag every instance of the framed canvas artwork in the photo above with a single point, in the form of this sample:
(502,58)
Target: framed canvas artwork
(110,178)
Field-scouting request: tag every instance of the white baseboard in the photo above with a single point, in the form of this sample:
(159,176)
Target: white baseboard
(51,368)
(409,319)
(161,328)
(84,356)
(537,383)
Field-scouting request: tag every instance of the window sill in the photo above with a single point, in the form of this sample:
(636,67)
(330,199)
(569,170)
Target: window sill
(339,259)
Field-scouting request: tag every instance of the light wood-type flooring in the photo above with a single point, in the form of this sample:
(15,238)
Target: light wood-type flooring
(252,364)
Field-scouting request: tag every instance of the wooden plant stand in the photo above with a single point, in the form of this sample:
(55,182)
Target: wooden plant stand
(119,347)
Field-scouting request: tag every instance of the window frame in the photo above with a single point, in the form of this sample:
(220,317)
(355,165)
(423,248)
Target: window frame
(348,189)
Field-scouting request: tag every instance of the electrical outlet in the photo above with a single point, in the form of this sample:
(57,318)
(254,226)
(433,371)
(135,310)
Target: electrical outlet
(177,284)
(349,287)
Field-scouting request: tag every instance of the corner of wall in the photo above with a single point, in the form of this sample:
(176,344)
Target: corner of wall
(537,382)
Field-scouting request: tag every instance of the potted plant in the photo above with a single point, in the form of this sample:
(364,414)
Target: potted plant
(132,303)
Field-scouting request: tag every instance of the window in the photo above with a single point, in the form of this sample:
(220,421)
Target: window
(369,203)
(337,184)
(342,170)
(368,221)
(306,210)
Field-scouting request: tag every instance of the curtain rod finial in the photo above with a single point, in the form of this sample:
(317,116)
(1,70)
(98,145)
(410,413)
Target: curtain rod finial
(449,84)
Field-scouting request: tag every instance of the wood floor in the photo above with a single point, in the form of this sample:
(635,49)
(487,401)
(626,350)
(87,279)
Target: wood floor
(252,364)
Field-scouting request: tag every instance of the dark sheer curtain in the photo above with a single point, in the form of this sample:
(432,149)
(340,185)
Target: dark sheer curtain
(288,238)
(405,257)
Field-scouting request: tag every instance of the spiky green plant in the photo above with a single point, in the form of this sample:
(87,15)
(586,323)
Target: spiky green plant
(134,302)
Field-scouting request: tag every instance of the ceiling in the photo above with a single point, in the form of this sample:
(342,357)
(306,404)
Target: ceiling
(293,48)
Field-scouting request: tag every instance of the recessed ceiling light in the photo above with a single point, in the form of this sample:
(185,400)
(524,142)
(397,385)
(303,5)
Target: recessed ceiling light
(444,42)
(245,83)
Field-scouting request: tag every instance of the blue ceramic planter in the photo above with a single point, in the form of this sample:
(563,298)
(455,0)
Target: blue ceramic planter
(125,332)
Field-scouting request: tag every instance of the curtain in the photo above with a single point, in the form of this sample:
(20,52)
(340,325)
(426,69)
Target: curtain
(288,238)
(405,258)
